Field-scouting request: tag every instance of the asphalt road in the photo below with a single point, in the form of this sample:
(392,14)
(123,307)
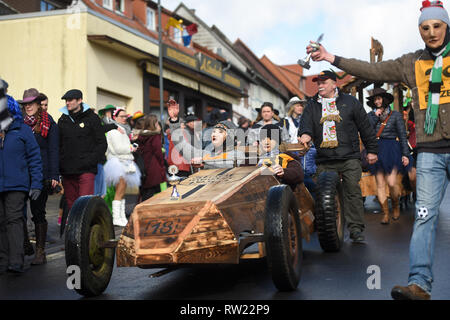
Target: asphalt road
(325,276)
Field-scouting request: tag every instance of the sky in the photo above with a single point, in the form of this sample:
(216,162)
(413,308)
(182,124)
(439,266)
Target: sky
(281,29)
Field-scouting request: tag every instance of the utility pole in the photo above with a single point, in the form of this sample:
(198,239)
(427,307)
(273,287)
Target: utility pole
(161,85)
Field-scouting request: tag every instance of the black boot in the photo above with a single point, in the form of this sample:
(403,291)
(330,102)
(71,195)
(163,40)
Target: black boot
(41,235)
(27,246)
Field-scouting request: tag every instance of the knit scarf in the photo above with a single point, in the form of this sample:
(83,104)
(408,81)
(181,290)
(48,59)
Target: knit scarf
(44,125)
(330,115)
(434,91)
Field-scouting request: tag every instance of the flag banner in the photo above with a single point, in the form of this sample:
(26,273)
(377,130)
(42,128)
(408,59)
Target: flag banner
(174,23)
(192,29)
(186,38)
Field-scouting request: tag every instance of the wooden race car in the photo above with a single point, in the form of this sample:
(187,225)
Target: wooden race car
(213,217)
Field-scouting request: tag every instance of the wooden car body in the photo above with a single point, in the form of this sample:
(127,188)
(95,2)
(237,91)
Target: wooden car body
(216,215)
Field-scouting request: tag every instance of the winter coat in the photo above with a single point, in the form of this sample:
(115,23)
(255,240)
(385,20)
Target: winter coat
(82,142)
(150,149)
(20,159)
(293,171)
(49,148)
(395,128)
(119,146)
(354,121)
(308,161)
(413,70)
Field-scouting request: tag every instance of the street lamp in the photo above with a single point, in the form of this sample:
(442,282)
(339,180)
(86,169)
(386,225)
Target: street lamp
(161,88)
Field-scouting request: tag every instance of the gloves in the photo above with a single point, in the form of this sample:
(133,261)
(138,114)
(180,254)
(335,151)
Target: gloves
(34,194)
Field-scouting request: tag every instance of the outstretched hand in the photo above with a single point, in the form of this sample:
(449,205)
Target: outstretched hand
(320,54)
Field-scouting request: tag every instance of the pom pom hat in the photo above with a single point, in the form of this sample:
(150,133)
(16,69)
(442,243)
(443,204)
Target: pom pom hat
(433,10)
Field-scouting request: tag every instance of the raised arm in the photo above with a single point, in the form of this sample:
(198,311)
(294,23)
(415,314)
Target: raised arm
(385,71)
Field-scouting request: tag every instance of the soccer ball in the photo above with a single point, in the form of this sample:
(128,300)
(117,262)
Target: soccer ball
(422,213)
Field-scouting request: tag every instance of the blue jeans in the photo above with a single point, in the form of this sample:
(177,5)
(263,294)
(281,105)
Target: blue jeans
(433,173)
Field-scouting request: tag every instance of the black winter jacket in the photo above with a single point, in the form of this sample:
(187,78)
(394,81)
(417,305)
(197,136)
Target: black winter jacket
(395,128)
(354,120)
(82,142)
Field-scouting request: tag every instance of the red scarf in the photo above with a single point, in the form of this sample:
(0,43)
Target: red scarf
(44,126)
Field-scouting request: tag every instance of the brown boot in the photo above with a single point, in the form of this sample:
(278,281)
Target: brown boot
(395,208)
(411,292)
(41,234)
(385,210)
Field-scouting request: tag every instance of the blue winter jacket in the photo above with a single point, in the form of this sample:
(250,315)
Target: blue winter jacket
(20,159)
(309,161)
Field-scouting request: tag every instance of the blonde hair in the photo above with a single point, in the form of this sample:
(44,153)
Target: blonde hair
(291,110)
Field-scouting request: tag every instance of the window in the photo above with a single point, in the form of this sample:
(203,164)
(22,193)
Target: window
(150,19)
(120,5)
(45,6)
(108,4)
(177,35)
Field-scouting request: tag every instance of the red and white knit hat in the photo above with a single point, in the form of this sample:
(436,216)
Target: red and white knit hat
(433,10)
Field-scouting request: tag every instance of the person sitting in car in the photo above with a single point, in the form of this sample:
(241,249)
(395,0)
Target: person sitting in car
(285,166)
(220,153)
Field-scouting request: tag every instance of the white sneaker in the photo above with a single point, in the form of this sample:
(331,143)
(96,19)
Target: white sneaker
(116,213)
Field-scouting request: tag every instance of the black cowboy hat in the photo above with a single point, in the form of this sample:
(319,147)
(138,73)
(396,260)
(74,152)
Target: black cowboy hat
(380,92)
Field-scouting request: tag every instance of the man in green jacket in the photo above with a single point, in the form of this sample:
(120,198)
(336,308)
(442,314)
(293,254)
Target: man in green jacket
(427,73)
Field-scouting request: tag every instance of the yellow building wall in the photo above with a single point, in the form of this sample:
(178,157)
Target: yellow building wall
(47,53)
(113,71)
(116,73)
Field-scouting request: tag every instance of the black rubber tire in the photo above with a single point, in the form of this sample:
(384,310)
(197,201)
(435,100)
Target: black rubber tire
(329,218)
(89,224)
(283,238)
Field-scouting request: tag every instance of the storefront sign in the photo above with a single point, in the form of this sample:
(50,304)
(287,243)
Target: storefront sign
(211,67)
(181,57)
(232,81)
(204,64)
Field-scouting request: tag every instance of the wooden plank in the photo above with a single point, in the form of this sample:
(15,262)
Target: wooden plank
(125,252)
(166,243)
(212,230)
(226,253)
(244,210)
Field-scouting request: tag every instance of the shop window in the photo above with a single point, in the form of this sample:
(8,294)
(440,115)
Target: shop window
(108,4)
(150,19)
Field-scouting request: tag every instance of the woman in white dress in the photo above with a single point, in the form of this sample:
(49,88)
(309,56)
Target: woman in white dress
(120,169)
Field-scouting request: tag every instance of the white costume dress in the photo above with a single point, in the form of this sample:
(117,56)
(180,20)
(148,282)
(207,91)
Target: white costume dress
(120,160)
